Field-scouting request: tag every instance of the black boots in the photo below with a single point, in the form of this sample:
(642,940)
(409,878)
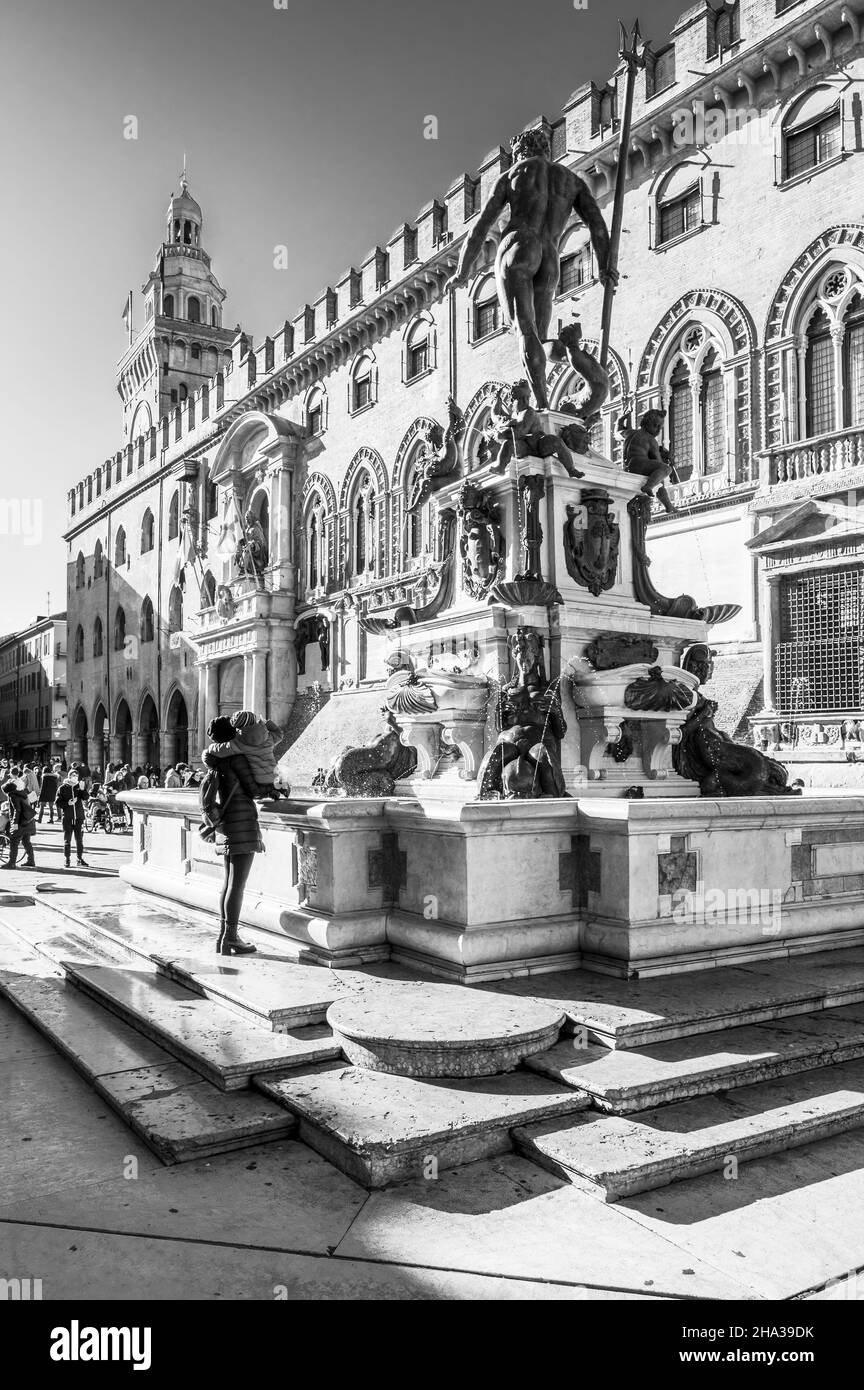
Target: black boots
(229,943)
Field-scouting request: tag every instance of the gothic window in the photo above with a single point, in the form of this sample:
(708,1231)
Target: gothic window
(174,516)
(168,306)
(853,363)
(147,530)
(812,133)
(819,375)
(312,548)
(360,534)
(97,637)
(79,644)
(119,630)
(98,561)
(147,620)
(175,610)
(120,549)
(681,421)
(79,571)
(713,410)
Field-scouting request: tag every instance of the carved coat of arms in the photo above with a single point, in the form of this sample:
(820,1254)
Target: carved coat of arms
(591,541)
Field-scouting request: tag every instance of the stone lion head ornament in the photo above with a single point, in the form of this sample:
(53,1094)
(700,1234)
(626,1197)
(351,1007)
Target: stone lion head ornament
(530,144)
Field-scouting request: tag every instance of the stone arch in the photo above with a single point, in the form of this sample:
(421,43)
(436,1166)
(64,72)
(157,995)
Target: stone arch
(476,416)
(364,459)
(403,453)
(122,727)
(148,731)
(321,483)
(175,739)
(709,306)
(843,243)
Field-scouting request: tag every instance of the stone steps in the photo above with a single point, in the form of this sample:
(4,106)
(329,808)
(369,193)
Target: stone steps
(616,1156)
(197,1030)
(625,1081)
(380,1128)
(177,1114)
(638,1013)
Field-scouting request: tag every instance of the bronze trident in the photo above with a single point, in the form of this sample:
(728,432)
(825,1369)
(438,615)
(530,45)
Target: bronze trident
(632,57)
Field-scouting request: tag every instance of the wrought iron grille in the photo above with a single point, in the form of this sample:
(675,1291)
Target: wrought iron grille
(818,660)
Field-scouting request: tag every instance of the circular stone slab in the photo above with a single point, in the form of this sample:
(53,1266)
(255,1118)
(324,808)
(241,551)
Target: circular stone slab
(441,1030)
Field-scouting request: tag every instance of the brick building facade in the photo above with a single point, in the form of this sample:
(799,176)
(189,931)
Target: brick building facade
(33,690)
(740,311)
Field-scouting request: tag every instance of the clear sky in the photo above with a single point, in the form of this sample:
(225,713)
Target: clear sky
(302,125)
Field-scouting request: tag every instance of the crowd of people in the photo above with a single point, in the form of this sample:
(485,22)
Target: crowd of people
(65,791)
(238,770)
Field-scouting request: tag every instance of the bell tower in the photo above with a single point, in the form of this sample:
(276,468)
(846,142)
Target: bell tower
(182,343)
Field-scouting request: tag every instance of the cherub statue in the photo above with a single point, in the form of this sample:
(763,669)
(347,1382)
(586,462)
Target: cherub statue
(518,431)
(643,454)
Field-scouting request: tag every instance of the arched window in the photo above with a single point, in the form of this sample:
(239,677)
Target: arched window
(79,644)
(79,571)
(360,533)
(196,352)
(362,384)
(713,411)
(175,610)
(193,309)
(315,411)
(174,516)
(681,421)
(187,233)
(97,637)
(853,363)
(811,131)
(418,350)
(168,306)
(147,620)
(120,549)
(98,561)
(214,317)
(576,266)
(119,630)
(312,547)
(819,375)
(208,591)
(184,391)
(485,309)
(678,204)
(147,530)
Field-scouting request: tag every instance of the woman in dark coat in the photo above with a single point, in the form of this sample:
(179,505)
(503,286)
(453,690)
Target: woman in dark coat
(237,835)
(22,824)
(47,794)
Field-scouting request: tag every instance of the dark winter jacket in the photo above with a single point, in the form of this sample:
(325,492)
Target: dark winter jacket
(237,832)
(48,789)
(23,816)
(71,803)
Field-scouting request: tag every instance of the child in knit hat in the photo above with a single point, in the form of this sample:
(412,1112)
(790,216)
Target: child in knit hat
(256,739)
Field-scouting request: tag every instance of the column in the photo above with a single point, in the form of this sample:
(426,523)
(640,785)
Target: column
(94,752)
(283,676)
(202,709)
(248,687)
(259,683)
(140,745)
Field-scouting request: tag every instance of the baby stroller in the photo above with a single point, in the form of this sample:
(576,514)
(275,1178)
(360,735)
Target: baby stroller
(97,813)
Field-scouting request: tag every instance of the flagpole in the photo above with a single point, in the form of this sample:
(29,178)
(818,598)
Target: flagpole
(634,61)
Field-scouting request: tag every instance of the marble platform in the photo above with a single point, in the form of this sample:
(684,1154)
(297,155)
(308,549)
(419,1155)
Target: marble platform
(481,891)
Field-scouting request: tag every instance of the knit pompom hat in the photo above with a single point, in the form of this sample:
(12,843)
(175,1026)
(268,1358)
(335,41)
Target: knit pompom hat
(243,718)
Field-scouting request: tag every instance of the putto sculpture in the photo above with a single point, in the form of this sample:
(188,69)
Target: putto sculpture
(515,432)
(644,455)
(540,196)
